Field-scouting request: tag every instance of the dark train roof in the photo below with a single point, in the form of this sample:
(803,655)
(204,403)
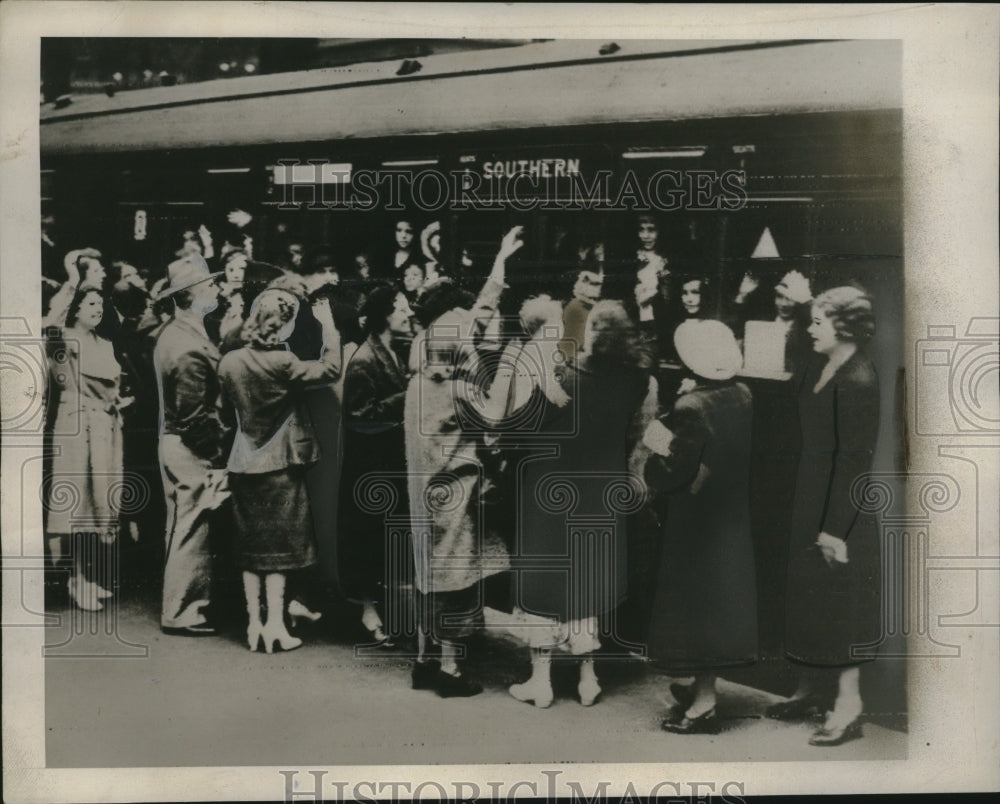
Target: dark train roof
(536,85)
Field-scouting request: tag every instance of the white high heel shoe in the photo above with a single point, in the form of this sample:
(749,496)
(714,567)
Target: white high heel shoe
(298,610)
(100,592)
(373,623)
(84,595)
(277,634)
(537,693)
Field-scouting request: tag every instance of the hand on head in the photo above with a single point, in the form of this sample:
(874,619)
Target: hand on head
(72,262)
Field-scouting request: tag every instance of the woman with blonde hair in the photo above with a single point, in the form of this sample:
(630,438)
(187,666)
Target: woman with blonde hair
(274,446)
(832,599)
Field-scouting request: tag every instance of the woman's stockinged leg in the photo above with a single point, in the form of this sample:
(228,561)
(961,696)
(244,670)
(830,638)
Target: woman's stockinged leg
(251,590)
(843,723)
(373,623)
(301,587)
(81,591)
(274,628)
(588,688)
(450,681)
(848,706)
(369,616)
(449,659)
(57,549)
(704,696)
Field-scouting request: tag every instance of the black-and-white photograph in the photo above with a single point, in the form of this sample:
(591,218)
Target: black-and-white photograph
(476,400)
(544,375)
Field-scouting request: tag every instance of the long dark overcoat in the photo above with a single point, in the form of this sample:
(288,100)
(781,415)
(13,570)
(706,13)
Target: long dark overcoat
(832,607)
(705,607)
(574,503)
(374,455)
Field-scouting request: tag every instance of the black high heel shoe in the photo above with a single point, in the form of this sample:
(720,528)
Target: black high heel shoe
(796,708)
(449,686)
(380,639)
(424,674)
(706,723)
(837,736)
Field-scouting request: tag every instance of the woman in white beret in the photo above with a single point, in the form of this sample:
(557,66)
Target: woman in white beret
(704,612)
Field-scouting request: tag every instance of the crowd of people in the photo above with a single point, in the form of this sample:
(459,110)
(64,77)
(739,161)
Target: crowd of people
(299,410)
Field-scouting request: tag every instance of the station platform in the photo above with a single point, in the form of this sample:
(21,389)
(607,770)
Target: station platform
(120,693)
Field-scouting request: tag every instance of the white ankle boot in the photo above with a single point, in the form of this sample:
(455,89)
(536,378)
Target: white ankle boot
(538,688)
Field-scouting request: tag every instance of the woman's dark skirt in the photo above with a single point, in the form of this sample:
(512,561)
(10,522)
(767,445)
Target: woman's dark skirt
(833,616)
(274,531)
(374,553)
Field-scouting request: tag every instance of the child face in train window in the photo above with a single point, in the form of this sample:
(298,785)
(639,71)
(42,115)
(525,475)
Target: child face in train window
(235,269)
(691,296)
(784,305)
(413,278)
(648,235)
(363,266)
(404,234)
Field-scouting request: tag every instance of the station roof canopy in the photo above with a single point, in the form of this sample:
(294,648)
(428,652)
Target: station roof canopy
(541,84)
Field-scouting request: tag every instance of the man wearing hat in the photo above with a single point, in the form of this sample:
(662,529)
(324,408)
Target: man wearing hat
(191,444)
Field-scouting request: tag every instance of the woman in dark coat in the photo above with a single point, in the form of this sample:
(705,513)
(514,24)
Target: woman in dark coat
(374,451)
(588,480)
(704,610)
(834,568)
(274,446)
